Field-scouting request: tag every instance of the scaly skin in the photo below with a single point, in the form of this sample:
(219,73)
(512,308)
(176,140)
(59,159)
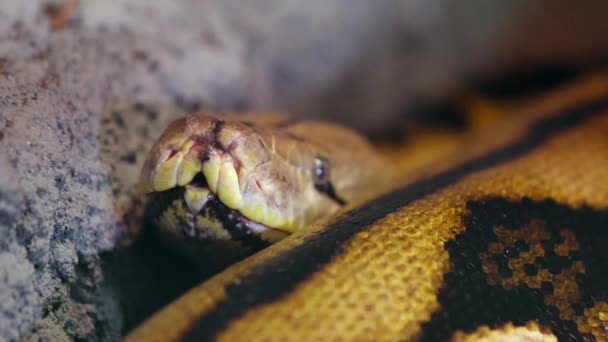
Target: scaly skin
(507,241)
(258,174)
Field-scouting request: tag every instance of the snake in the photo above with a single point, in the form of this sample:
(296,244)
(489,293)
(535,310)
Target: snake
(505,240)
(257,178)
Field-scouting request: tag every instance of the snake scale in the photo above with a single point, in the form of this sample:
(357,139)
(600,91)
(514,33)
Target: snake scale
(506,241)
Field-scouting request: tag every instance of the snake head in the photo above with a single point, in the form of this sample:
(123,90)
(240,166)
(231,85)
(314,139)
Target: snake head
(232,178)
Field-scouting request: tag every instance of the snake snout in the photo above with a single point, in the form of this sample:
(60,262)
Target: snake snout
(202,168)
(232,176)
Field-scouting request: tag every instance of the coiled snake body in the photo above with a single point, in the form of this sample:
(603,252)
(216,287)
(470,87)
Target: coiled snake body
(509,240)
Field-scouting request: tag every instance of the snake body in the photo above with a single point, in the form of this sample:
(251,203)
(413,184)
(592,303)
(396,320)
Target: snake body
(507,241)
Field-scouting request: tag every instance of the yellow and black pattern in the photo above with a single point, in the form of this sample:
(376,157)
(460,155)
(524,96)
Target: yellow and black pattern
(526,261)
(220,225)
(507,332)
(513,234)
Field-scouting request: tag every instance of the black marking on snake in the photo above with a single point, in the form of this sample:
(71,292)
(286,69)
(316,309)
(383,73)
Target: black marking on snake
(217,127)
(468,301)
(234,223)
(210,142)
(526,79)
(278,276)
(328,189)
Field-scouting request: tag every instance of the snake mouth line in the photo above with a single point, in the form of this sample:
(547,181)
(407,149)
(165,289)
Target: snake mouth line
(241,228)
(207,214)
(197,195)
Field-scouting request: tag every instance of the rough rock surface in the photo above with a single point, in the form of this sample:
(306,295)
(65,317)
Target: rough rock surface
(84,89)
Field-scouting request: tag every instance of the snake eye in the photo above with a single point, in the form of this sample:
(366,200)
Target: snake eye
(322,179)
(320,170)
